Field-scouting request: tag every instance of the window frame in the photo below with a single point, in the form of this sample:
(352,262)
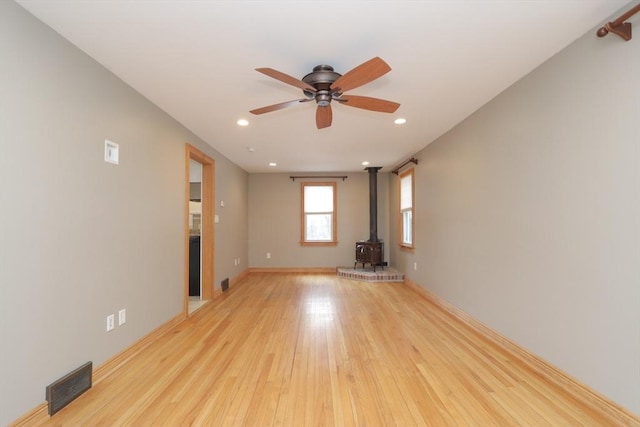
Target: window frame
(334,213)
(404,245)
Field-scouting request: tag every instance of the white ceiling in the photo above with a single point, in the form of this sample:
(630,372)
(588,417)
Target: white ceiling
(196,61)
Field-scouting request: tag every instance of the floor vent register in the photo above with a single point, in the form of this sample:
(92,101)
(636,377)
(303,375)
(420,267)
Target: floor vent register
(64,390)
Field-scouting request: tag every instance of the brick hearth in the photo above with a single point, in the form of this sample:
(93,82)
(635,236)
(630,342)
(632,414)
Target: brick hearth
(368,275)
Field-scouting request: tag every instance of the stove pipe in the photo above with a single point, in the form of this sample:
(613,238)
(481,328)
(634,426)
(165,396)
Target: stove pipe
(373,202)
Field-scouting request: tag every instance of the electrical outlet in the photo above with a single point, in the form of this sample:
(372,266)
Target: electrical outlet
(111,322)
(415,266)
(122,317)
(268,255)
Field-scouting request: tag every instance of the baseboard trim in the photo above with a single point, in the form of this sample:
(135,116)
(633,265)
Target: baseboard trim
(306,270)
(35,416)
(579,391)
(40,413)
(114,363)
(236,279)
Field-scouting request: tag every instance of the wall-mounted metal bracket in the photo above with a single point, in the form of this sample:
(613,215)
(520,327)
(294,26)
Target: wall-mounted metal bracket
(619,27)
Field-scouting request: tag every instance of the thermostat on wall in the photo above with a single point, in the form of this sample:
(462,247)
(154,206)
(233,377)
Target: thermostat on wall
(111,150)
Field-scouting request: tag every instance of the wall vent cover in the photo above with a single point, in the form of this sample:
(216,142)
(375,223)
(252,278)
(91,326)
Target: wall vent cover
(63,391)
(225,284)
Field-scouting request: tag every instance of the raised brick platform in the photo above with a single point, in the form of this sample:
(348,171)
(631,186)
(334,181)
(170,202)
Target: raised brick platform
(368,275)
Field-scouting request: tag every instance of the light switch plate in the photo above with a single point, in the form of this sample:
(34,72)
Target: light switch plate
(111,152)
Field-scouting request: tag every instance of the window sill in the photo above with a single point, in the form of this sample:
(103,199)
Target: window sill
(407,248)
(318,243)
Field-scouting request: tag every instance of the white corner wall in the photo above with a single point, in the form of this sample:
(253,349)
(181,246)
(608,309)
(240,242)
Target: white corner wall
(528,214)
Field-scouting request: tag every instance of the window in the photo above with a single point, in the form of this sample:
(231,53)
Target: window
(406,209)
(319,211)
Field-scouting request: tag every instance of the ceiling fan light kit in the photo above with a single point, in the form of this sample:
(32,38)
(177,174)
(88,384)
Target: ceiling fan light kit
(324,85)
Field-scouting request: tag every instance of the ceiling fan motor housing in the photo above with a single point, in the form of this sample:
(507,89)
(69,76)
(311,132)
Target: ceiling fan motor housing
(321,78)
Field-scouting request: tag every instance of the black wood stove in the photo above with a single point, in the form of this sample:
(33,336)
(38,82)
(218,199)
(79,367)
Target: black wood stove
(371,251)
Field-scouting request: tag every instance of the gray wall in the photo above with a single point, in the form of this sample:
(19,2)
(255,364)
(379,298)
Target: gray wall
(528,214)
(82,238)
(274,220)
(232,232)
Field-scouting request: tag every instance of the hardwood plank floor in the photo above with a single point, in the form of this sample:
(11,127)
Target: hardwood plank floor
(318,350)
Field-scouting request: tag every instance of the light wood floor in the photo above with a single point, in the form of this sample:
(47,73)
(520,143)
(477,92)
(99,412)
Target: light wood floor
(298,350)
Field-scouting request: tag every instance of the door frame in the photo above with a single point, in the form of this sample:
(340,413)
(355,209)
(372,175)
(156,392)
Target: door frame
(207,237)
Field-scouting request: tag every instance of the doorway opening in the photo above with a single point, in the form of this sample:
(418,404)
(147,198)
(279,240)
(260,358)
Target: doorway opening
(199,229)
(195,234)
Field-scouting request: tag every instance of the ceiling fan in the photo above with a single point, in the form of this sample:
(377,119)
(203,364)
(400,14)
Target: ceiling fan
(324,85)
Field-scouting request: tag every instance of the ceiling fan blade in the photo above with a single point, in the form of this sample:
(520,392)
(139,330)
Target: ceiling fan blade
(368,103)
(362,74)
(323,117)
(285,78)
(279,106)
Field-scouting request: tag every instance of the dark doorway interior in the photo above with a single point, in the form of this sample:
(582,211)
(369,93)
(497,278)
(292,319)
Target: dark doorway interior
(194,266)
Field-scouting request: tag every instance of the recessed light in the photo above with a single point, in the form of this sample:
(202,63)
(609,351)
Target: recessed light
(243,122)
(272,164)
(251,149)
(365,163)
(400,121)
